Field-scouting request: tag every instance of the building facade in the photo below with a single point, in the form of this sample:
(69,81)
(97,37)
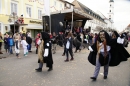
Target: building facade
(30,11)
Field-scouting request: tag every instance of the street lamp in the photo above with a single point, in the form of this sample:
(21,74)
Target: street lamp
(14,17)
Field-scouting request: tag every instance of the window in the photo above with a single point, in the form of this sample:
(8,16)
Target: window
(54,3)
(110,10)
(0,27)
(28,9)
(39,14)
(67,5)
(110,5)
(60,5)
(14,8)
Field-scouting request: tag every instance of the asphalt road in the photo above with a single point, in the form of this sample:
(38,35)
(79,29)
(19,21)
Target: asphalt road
(21,72)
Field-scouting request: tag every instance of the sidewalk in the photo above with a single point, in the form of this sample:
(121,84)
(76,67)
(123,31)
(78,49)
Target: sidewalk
(33,49)
(5,55)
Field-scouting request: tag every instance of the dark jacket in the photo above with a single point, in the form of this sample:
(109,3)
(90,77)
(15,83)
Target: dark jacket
(71,42)
(29,40)
(5,40)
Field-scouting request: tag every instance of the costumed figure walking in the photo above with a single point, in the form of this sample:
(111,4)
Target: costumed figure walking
(101,53)
(44,52)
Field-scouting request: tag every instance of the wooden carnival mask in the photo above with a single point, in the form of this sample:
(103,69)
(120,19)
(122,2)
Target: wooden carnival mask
(102,36)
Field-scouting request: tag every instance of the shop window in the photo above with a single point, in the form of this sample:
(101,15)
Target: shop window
(14,8)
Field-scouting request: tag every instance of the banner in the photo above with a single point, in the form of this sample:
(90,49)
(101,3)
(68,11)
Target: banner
(47,7)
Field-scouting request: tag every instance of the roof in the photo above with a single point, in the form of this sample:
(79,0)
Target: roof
(90,12)
(111,1)
(66,2)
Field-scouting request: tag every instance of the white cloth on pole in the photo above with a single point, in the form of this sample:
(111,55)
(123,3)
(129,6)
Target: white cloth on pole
(47,7)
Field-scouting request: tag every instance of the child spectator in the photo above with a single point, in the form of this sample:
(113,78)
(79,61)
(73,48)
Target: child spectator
(10,44)
(24,44)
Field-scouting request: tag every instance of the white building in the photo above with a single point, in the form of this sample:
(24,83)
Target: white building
(109,24)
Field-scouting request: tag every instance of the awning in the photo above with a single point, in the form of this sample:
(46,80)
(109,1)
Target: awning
(83,14)
(77,15)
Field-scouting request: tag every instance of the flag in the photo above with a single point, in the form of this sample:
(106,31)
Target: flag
(47,7)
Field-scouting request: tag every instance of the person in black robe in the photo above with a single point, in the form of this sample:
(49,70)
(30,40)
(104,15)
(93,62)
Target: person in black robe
(106,52)
(77,44)
(47,54)
(29,41)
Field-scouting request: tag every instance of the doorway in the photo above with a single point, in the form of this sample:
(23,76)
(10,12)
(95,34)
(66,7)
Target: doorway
(12,29)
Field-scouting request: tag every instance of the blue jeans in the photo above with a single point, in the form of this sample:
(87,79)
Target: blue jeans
(29,47)
(10,49)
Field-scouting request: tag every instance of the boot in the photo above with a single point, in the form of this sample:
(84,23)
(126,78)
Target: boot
(93,78)
(105,77)
(66,60)
(71,59)
(39,69)
(50,69)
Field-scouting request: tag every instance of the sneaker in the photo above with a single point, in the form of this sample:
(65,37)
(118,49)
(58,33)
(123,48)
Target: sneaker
(25,55)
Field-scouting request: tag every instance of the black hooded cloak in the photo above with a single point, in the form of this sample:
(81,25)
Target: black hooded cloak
(117,51)
(48,60)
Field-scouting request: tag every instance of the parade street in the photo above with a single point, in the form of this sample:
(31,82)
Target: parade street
(21,72)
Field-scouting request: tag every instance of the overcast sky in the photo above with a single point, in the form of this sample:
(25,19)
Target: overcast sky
(121,10)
